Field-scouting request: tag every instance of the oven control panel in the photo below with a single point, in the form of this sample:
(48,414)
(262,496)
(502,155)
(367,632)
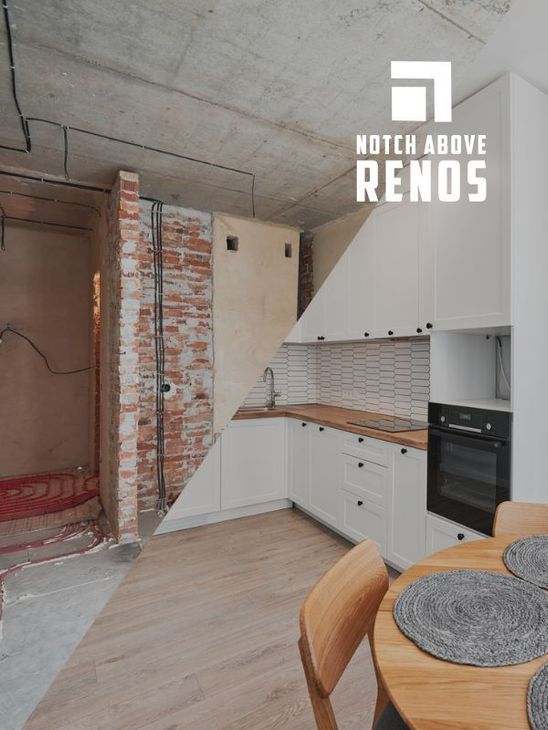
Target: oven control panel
(470,420)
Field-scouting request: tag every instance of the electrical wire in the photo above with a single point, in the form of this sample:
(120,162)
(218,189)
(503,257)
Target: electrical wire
(65,157)
(2,228)
(46,223)
(50,200)
(10,329)
(65,128)
(156,220)
(22,118)
(501,365)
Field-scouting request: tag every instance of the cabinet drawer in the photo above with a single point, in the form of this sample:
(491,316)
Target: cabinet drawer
(367,480)
(367,448)
(442,534)
(361,519)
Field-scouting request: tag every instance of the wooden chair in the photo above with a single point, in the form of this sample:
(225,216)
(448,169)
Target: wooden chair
(335,617)
(521,518)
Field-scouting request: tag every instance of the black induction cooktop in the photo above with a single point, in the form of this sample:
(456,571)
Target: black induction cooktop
(390,424)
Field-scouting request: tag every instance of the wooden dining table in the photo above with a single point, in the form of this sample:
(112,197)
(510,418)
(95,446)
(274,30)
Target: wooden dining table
(433,694)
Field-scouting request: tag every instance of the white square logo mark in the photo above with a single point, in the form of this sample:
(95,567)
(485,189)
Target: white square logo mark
(409,104)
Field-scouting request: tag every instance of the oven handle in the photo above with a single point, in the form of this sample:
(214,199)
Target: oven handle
(454,434)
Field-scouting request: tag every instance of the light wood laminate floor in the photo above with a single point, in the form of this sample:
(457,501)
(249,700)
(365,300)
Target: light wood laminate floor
(202,634)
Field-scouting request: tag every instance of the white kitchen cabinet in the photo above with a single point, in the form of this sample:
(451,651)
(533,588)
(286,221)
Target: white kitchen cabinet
(202,494)
(397,236)
(363,499)
(471,241)
(333,295)
(253,462)
(298,461)
(361,284)
(362,520)
(324,473)
(313,319)
(296,333)
(407,533)
(441,534)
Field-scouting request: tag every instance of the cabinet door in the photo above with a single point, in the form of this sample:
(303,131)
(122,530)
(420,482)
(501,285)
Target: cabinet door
(324,483)
(253,462)
(397,269)
(362,519)
(361,283)
(471,241)
(298,460)
(334,301)
(313,318)
(295,335)
(441,534)
(202,494)
(407,534)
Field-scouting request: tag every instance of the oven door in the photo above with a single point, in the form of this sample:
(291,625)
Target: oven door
(468,475)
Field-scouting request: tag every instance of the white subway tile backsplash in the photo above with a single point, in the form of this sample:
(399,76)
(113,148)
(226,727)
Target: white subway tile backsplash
(390,377)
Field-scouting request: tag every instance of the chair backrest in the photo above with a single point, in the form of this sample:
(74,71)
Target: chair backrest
(521,518)
(336,615)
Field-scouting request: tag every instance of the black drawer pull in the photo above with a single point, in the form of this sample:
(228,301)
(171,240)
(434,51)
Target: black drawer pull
(321,428)
(460,536)
(360,440)
(360,464)
(360,502)
(390,332)
(404,451)
(366,334)
(304,424)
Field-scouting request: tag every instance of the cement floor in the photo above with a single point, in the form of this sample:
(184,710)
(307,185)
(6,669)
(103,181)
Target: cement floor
(48,609)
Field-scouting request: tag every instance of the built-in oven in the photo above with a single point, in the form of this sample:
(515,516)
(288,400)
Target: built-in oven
(468,463)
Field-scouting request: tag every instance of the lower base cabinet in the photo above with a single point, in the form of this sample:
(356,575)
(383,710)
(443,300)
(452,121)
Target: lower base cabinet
(407,533)
(253,462)
(324,473)
(362,519)
(442,534)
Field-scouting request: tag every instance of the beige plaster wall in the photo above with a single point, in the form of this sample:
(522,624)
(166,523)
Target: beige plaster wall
(330,242)
(254,305)
(44,292)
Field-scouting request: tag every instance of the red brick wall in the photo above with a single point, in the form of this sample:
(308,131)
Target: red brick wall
(306,281)
(188,350)
(119,358)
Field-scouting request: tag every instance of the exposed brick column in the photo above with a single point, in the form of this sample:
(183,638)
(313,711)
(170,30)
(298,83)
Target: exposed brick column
(122,288)
(188,337)
(306,281)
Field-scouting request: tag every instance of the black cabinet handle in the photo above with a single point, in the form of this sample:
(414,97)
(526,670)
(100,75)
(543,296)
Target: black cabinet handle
(304,424)
(360,440)
(390,332)
(429,325)
(460,536)
(366,334)
(321,428)
(360,502)
(403,451)
(419,330)
(360,464)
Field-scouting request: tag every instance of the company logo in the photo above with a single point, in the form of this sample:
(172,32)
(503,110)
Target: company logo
(444,166)
(409,102)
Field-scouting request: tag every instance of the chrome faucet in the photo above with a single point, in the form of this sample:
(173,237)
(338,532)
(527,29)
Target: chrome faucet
(268,377)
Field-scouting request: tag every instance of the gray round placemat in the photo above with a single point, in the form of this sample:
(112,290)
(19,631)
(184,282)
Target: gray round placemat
(475,617)
(528,559)
(537,699)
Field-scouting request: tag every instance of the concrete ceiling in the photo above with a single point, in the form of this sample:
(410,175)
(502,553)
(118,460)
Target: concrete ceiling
(272,87)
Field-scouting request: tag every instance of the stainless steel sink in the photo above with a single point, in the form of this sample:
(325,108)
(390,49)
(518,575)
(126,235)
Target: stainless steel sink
(248,409)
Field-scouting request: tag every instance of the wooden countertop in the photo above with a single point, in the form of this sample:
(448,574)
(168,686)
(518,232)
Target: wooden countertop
(335,417)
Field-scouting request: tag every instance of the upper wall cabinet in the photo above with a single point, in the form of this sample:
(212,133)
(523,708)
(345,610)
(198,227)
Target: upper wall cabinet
(470,242)
(413,267)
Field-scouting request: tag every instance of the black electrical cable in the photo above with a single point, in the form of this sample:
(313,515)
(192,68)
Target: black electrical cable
(44,358)
(50,181)
(65,128)
(2,228)
(46,223)
(22,118)
(156,220)
(50,200)
(65,157)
